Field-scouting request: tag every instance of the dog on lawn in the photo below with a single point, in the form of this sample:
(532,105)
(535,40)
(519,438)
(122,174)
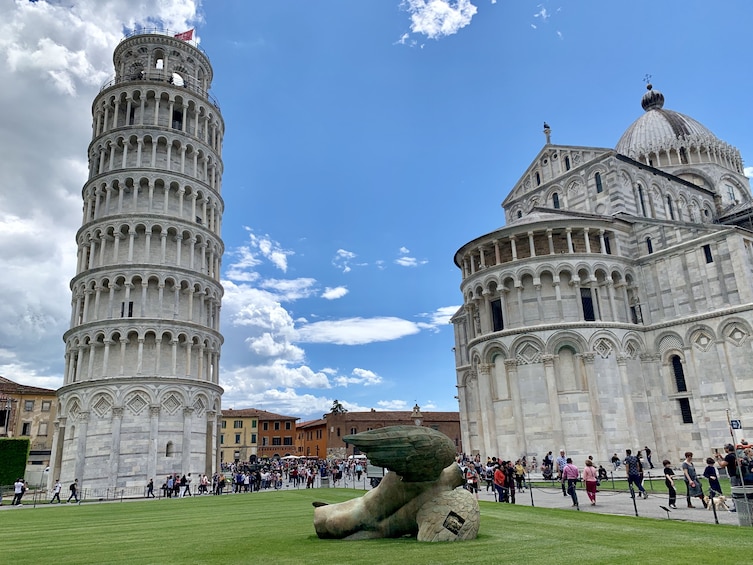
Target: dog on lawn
(720,502)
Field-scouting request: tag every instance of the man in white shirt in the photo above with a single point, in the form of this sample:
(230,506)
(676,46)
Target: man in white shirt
(56,491)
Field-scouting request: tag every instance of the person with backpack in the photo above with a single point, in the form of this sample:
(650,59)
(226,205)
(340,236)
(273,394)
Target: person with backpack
(634,472)
(74,491)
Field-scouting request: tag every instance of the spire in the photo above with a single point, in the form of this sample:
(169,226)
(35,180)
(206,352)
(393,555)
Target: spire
(547,133)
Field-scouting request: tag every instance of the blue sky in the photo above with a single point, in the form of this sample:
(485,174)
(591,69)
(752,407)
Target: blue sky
(366,141)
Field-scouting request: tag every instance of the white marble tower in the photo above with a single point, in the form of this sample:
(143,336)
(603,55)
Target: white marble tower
(141,397)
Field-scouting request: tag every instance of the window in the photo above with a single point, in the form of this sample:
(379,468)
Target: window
(287,440)
(265,426)
(222,439)
(177,119)
(707,253)
(28,405)
(679,373)
(556,200)
(277,426)
(641,201)
(498,323)
(669,208)
(520,214)
(683,156)
(237,438)
(538,179)
(126,311)
(635,314)
(238,424)
(730,193)
(607,245)
(4,418)
(253,438)
(169,449)
(277,440)
(287,425)
(649,245)
(224,424)
(46,405)
(567,163)
(264,441)
(687,414)
(253,424)
(353,431)
(26,429)
(586,300)
(599,186)
(132,116)
(42,429)
(338,432)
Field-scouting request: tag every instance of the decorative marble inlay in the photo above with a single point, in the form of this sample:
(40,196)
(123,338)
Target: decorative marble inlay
(199,406)
(736,335)
(528,354)
(603,347)
(136,404)
(102,406)
(702,340)
(171,404)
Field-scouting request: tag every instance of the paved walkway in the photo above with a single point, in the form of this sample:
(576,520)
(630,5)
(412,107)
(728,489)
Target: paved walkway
(620,503)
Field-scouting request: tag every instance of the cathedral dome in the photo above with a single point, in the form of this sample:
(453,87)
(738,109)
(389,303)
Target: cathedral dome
(664,137)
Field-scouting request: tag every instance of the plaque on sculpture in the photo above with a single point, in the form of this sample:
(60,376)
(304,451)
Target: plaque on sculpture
(419,496)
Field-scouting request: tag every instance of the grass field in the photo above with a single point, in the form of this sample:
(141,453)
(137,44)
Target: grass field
(277,527)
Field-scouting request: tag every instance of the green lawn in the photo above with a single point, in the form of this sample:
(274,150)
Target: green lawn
(276,527)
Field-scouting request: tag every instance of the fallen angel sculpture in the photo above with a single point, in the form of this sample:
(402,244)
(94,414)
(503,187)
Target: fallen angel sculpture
(419,496)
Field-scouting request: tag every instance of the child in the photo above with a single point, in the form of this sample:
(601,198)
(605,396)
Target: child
(669,480)
(710,473)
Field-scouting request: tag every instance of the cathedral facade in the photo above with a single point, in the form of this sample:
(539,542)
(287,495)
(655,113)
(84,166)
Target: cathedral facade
(615,307)
(141,394)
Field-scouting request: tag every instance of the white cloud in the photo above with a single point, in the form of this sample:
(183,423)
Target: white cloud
(357,331)
(542,13)
(405,261)
(342,260)
(438,18)
(53,58)
(359,377)
(748,172)
(394,405)
(334,293)
(270,250)
(441,316)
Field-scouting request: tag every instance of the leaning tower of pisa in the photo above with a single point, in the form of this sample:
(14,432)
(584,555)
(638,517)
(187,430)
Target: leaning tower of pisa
(141,397)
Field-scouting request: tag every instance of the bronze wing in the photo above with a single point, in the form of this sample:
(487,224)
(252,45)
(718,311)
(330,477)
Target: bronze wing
(415,453)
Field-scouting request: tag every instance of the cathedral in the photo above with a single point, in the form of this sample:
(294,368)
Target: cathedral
(614,309)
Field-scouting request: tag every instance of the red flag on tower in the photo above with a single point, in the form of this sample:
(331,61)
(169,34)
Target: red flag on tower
(185,36)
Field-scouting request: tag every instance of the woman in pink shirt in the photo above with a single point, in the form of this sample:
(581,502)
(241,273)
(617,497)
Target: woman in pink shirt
(590,477)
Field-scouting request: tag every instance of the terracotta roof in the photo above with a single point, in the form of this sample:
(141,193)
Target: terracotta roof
(7,386)
(312,423)
(393,416)
(255,413)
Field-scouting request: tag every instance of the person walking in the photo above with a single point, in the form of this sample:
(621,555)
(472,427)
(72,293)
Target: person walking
(499,483)
(570,473)
(715,489)
(56,491)
(150,489)
(669,481)
(647,451)
(591,478)
(692,484)
(634,472)
(560,463)
(19,487)
(74,491)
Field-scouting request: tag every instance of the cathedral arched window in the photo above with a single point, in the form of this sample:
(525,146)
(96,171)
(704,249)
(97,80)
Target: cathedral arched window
(642,201)
(567,163)
(599,186)
(649,245)
(669,207)
(169,449)
(520,214)
(538,179)
(683,156)
(556,200)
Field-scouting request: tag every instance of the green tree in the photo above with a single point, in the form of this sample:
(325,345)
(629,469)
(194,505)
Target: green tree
(337,408)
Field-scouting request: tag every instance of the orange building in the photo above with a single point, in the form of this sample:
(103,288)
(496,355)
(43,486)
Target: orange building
(249,434)
(311,438)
